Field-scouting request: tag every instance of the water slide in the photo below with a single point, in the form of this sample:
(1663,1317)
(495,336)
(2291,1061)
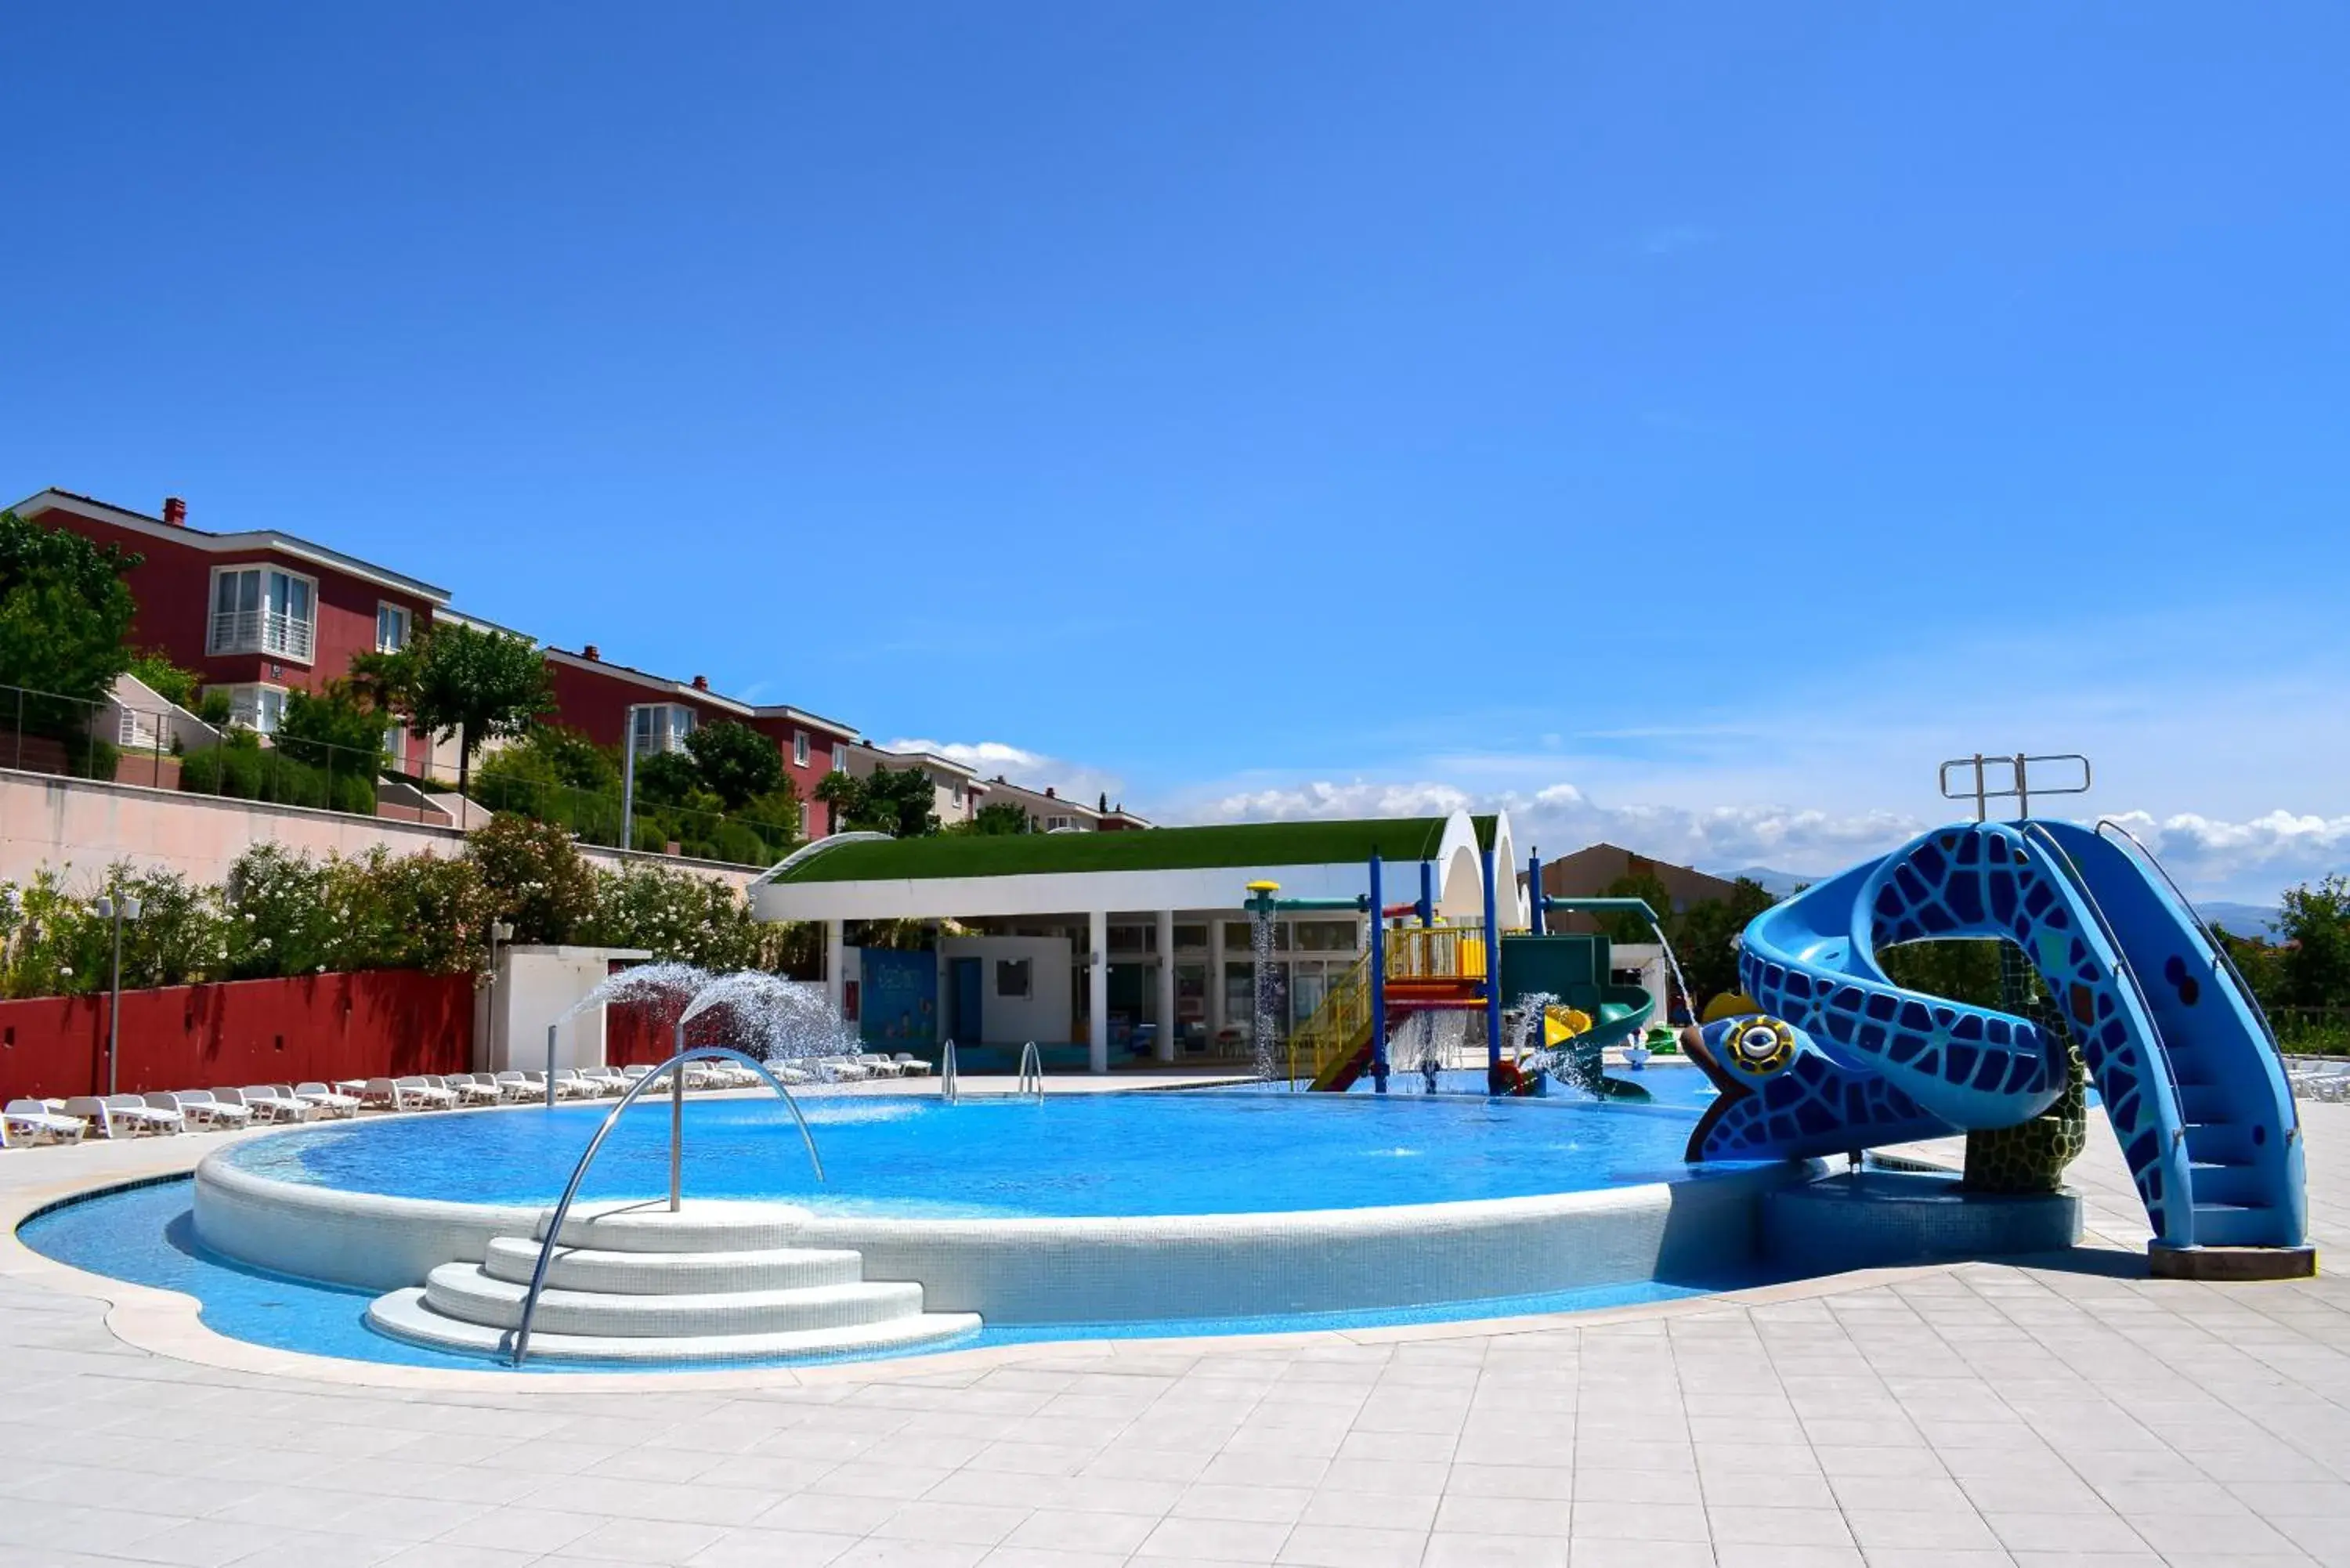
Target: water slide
(1842,1058)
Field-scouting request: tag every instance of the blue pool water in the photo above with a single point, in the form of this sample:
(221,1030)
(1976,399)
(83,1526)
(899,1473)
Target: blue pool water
(143,1234)
(1077,1155)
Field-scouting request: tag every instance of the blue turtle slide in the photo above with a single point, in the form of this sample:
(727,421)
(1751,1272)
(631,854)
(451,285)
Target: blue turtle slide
(1843,1059)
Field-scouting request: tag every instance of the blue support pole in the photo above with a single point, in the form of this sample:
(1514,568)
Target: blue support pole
(1534,892)
(1378,985)
(1426,894)
(1494,1084)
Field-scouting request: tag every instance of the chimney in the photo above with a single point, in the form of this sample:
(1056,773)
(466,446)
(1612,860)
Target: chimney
(175,512)
(589,652)
(1049,792)
(701,683)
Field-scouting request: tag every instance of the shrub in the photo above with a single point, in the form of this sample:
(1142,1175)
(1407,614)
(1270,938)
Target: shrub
(153,668)
(241,767)
(280,919)
(679,914)
(534,876)
(736,763)
(338,729)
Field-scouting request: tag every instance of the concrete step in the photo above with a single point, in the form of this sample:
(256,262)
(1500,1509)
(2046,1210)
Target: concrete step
(707,1225)
(404,1315)
(463,1291)
(512,1259)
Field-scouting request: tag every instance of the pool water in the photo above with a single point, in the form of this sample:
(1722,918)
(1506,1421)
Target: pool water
(1075,1155)
(145,1235)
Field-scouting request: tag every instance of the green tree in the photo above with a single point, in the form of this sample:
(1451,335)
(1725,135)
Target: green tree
(901,802)
(1002,818)
(1644,886)
(154,668)
(340,727)
(450,679)
(64,610)
(736,762)
(2314,923)
(1706,934)
(534,876)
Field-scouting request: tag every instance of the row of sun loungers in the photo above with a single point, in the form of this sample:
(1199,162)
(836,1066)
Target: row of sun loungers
(30,1121)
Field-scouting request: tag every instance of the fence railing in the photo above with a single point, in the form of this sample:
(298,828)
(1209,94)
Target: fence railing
(164,747)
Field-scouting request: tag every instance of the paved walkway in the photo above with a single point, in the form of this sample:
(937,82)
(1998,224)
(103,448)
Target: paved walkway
(1968,1418)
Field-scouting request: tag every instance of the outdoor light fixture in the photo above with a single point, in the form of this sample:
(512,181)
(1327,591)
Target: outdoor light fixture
(116,910)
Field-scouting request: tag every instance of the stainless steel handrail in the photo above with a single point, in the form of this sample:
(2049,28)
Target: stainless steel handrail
(949,1084)
(675,1070)
(2218,951)
(1032,1073)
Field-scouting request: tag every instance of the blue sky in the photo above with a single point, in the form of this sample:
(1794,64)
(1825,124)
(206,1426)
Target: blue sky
(1684,424)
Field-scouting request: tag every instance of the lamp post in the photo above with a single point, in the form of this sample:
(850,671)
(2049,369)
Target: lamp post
(116,910)
(628,774)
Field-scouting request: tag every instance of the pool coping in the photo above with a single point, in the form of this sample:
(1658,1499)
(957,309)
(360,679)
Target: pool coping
(169,1324)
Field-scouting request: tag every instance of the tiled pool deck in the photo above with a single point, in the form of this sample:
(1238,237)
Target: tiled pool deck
(1963,1417)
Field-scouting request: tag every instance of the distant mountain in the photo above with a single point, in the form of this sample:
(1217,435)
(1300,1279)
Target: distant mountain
(1778,884)
(2242,919)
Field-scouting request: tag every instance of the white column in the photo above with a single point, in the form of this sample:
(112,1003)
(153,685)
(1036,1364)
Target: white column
(1167,985)
(1097,991)
(836,964)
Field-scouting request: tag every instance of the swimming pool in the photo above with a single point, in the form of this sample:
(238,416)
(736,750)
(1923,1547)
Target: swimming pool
(146,1234)
(1069,1157)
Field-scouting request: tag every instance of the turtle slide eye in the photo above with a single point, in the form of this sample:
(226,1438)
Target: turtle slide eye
(1763,1045)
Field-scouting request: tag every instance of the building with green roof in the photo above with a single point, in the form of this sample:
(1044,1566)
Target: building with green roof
(1076,938)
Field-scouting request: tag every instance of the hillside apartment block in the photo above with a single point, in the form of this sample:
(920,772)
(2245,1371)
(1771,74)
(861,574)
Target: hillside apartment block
(262,614)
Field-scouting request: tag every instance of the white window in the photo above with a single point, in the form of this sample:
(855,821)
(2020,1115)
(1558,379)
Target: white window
(958,794)
(390,628)
(663,727)
(257,707)
(1056,825)
(799,747)
(395,746)
(840,756)
(260,610)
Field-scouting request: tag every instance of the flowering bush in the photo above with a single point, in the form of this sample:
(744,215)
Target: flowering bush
(281,912)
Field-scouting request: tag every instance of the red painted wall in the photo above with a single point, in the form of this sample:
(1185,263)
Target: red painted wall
(173,586)
(642,1033)
(815,816)
(378,1023)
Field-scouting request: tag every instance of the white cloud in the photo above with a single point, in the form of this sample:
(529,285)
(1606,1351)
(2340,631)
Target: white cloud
(2252,858)
(1018,764)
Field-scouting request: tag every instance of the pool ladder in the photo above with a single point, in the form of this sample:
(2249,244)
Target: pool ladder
(1030,1084)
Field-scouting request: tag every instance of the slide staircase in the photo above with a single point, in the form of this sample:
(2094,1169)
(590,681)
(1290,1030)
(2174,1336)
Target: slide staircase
(1427,967)
(2183,1061)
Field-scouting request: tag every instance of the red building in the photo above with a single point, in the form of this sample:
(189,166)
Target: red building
(605,700)
(260,613)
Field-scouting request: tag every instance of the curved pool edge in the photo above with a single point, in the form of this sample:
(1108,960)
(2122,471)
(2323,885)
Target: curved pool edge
(1046,1269)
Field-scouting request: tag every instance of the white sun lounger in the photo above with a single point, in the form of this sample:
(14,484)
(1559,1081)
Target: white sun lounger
(882,1066)
(468,1092)
(31,1121)
(515,1087)
(608,1080)
(123,1115)
(912,1066)
(417,1091)
(845,1069)
(331,1103)
(266,1101)
(202,1109)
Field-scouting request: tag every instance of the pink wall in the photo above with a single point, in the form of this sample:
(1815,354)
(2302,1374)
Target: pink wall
(384,1022)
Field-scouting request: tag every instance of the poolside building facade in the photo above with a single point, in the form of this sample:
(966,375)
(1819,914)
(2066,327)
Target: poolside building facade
(1086,939)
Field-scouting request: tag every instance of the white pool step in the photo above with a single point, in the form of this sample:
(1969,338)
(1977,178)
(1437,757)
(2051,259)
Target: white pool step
(713,1281)
(463,1290)
(403,1315)
(673,1273)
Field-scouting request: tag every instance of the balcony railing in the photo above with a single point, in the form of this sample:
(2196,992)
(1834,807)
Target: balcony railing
(261,631)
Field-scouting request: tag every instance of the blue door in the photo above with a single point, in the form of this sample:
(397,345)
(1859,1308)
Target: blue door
(965,974)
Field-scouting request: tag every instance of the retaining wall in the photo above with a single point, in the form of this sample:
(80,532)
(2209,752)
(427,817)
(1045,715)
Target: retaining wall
(377,1023)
